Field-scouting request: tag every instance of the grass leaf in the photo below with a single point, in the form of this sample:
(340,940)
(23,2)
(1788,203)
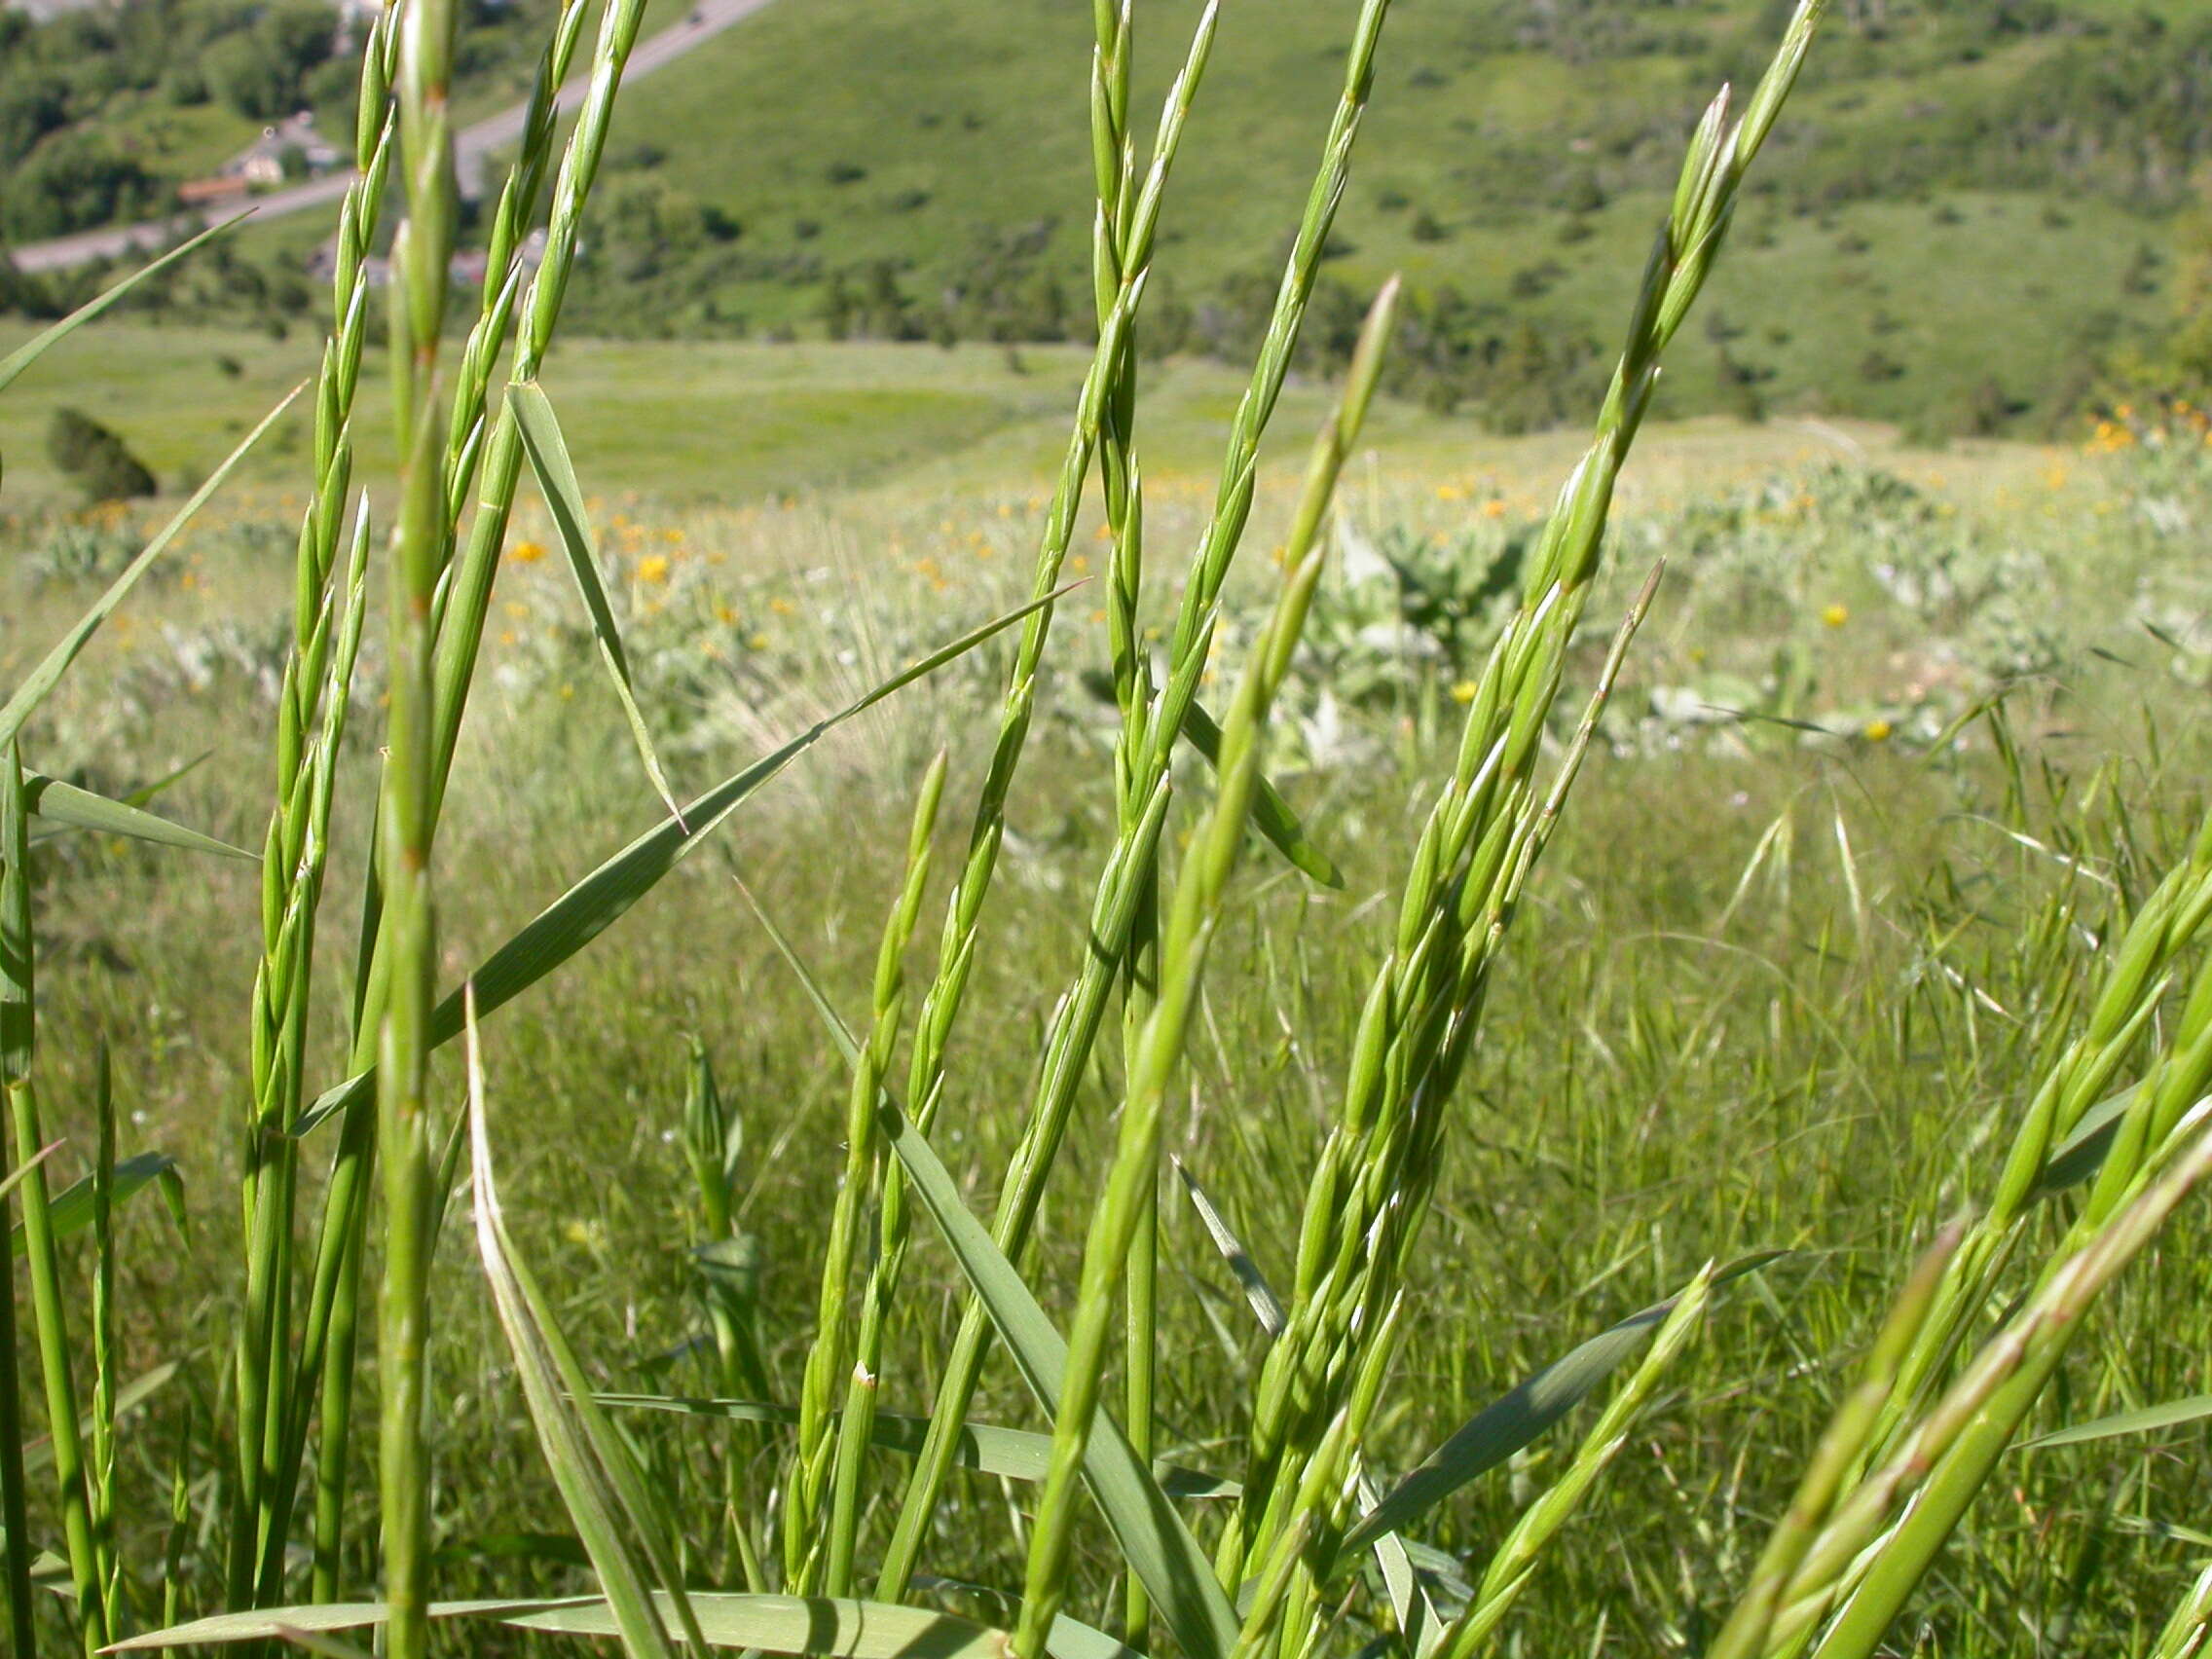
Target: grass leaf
(48,674)
(25,355)
(67,804)
(594,903)
(548,454)
(1519,1416)
(1158,1547)
(1271,815)
(2143,1420)
(70,1210)
(598,1482)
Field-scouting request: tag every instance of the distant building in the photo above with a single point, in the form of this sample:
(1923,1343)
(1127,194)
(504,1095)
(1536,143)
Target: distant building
(290,148)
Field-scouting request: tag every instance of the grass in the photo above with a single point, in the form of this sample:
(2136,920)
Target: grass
(1469,133)
(1629,980)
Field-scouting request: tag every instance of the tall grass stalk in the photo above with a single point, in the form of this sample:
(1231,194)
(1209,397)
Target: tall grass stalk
(407,822)
(459,599)
(818,1558)
(311,710)
(18,1035)
(1191,917)
(49,1302)
(1368,1192)
(1113,152)
(1130,861)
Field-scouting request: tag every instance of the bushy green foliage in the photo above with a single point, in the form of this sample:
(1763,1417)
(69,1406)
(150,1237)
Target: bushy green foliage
(95,457)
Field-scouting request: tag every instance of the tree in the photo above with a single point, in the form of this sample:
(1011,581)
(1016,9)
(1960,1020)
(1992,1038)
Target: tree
(72,181)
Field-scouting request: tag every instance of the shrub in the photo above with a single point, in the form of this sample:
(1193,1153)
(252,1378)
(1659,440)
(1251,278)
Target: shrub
(95,458)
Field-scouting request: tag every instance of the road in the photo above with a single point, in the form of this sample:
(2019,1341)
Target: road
(473,150)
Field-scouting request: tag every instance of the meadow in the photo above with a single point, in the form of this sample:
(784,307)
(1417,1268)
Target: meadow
(1520,1066)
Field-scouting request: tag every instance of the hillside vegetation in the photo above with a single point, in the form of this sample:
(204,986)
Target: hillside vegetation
(1971,223)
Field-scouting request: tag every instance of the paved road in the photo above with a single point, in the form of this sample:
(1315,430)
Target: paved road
(472,149)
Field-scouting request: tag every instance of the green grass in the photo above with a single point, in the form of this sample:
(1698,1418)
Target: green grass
(1579,957)
(1480,140)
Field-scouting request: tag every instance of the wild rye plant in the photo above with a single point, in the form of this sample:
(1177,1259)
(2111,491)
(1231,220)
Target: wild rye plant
(1307,1540)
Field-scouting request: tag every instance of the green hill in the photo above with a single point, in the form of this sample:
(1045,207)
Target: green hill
(1968,206)
(1968,211)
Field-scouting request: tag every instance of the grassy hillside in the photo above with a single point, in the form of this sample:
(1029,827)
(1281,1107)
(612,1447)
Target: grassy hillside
(1956,171)
(1971,213)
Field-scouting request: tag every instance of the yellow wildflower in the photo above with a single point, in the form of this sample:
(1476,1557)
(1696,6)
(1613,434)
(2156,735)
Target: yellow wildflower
(1876,731)
(1465,691)
(653,567)
(526,552)
(1835,617)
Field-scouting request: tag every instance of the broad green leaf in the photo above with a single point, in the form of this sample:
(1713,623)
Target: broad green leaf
(67,804)
(25,355)
(1519,1415)
(548,454)
(1271,815)
(588,908)
(43,678)
(599,1481)
(71,1208)
(1158,1547)
(2172,1415)
(1014,1454)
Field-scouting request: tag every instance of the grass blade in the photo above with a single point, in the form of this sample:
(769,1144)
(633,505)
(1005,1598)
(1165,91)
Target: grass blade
(320,1619)
(1158,1547)
(1267,1307)
(1519,1415)
(1271,815)
(67,804)
(2143,1420)
(25,355)
(593,904)
(592,1467)
(827,1627)
(72,1209)
(43,678)
(548,454)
